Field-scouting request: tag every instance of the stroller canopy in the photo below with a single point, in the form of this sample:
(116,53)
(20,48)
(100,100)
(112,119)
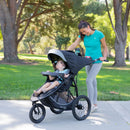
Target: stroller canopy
(74,62)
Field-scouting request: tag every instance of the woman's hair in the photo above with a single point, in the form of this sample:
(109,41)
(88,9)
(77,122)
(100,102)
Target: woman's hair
(84,24)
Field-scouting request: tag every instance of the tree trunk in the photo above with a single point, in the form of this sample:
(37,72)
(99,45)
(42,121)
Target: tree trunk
(8,28)
(121,29)
(119,54)
(30,48)
(10,45)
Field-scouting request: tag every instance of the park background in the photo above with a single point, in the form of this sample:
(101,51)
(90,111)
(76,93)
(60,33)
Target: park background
(40,25)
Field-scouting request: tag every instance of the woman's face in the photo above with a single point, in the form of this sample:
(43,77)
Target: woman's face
(60,65)
(85,31)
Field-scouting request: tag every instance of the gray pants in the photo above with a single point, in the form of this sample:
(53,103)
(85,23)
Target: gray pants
(92,71)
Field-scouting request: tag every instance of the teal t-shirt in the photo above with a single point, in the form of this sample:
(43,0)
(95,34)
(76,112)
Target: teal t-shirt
(92,45)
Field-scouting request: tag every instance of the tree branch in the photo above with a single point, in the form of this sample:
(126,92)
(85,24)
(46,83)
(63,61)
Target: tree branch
(43,12)
(126,17)
(111,20)
(19,15)
(18,4)
(36,9)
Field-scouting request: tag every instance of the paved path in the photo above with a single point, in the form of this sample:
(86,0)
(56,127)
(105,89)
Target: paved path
(111,115)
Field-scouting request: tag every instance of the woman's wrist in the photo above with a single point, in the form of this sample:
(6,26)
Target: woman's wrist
(105,57)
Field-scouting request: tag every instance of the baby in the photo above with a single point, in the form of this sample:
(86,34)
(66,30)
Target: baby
(60,67)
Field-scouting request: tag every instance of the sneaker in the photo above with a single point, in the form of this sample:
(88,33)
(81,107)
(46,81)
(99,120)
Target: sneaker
(94,108)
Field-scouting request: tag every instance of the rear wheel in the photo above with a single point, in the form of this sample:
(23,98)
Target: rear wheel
(37,113)
(56,110)
(81,107)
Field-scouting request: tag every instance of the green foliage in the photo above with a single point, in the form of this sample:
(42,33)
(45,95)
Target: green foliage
(1,41)
(1,37)
(61,41)
(1,45)
(63,19)
(103,24)
(96,7)
(32,37)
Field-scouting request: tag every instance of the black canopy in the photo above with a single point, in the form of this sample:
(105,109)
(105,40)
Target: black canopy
(74,62)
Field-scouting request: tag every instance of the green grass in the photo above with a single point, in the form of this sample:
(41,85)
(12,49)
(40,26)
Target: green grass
(19,81)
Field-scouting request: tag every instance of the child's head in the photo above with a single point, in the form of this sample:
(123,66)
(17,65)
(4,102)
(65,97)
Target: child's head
(60,65)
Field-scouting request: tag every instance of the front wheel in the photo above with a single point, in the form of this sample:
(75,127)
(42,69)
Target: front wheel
(37,113)
(81,107)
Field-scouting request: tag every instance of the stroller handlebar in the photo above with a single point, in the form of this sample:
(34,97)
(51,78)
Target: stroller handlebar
(99,59)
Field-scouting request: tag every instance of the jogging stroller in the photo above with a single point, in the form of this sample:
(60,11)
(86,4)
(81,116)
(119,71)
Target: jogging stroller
(65,96)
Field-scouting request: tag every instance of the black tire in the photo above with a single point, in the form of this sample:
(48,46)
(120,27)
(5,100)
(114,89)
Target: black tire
(37,113)
(55,110)
(81,107)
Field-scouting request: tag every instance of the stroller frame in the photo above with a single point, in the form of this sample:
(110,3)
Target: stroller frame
(79,104)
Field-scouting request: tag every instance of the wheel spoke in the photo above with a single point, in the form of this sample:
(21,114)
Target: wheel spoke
(37,113)
(81,107)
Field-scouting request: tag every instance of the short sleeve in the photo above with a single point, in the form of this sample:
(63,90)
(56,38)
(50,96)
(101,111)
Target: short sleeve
(101,35)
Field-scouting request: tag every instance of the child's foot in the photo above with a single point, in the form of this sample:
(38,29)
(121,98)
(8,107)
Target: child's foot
(36,93)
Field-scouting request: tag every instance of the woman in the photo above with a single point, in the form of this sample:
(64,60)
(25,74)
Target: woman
(93,39)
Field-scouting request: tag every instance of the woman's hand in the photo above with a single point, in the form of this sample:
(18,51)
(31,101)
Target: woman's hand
(102,58)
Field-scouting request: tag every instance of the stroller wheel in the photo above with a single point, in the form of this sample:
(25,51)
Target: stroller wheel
(56,110)
(81,107)
(37,113)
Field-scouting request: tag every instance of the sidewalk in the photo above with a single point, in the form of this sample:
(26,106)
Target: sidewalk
(111,115)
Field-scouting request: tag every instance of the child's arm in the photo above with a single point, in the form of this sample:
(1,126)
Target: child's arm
(66,75)
(50,77)
(67,71)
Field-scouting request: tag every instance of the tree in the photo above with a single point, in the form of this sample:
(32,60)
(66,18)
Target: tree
(32,38)
(63,24)
(121,20)
(96,7)
(61,41)
(102,23)
(16,15)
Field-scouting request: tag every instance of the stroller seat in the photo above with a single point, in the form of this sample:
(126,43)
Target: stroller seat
(64,86)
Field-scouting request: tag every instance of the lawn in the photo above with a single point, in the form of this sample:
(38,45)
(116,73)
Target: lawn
(17,81)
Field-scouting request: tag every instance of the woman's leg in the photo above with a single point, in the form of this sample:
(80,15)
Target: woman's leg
(95,92)
(92,71)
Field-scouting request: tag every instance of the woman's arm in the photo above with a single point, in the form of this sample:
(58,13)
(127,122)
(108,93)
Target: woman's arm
(74,44)
(104,49)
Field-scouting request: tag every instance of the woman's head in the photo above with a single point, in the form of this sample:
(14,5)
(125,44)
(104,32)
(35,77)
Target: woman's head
(85,29)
